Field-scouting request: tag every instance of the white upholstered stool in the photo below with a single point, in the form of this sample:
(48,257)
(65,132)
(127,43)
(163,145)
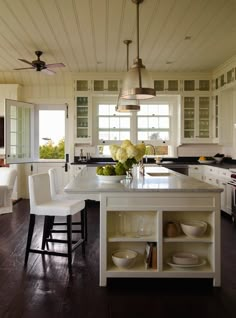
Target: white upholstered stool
(57,194)
(41,203)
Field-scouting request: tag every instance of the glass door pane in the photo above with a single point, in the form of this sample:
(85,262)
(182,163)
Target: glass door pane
(19,131)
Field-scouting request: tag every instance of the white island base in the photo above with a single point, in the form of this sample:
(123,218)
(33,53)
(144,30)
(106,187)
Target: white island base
(135,212)
(121,214)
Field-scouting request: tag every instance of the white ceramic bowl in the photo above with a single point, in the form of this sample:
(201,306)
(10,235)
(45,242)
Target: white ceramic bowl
(185,259)
(218,159)
(193,228)
(110,179)
(124,258)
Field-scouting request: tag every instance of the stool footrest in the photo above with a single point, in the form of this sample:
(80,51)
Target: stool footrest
(65,231)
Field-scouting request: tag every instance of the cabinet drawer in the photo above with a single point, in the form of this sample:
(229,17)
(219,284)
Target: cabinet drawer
(195,168)
(210,169)
(225,173)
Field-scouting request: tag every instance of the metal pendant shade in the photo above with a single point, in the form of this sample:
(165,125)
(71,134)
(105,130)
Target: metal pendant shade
(137,83)
(122,105)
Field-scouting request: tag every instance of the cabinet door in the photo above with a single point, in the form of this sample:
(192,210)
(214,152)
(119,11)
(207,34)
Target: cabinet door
(110,85)
(202,85)
(83,119)
(196,116)
(170,85)
(82,85)
(223,185)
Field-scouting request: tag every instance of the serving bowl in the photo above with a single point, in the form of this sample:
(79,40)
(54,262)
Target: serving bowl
(124,258)
(185,259)
(193,228)
(110,179)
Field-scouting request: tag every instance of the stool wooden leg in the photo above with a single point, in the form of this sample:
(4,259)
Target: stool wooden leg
(69,243)
(29,238)
(48,223)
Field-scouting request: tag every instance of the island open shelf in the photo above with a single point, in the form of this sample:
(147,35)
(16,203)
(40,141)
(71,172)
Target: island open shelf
(120,225)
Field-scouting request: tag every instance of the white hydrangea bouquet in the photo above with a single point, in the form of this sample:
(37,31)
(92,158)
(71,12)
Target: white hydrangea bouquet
(126,155)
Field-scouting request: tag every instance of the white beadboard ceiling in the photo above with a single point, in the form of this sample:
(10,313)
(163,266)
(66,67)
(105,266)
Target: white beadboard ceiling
(87,36)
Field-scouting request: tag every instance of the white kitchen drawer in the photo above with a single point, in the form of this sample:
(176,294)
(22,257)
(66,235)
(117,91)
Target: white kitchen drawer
(225,173)
(210,169)
(195,168)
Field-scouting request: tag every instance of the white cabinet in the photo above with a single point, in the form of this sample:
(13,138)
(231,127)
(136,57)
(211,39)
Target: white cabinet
(97,85)
(121,214)
(202,85)
(219,177)
(195,171)
(167,85)
(196,119)
(109,85)
(83,119)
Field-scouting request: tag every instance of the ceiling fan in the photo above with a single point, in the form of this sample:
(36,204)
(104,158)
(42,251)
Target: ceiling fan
(40,65)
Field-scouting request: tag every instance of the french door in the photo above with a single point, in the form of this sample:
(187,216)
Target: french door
(36,134)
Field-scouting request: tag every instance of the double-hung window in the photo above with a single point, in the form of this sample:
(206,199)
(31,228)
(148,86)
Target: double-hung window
(112,126)
(154,122)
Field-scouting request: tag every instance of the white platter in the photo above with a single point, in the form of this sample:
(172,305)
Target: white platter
(206,161)
(201,263)
(110,179)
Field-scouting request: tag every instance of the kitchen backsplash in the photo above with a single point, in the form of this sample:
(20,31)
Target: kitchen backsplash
(199,150)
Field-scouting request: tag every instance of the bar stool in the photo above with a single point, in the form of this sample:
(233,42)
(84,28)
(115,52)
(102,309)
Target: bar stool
(41,203)
(57,194)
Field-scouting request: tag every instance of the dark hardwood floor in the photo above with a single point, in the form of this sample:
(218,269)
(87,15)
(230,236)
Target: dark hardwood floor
(45,289)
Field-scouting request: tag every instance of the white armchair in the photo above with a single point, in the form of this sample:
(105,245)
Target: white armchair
(7,181)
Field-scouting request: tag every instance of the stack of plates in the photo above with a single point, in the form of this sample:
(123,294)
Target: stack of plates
(185,260)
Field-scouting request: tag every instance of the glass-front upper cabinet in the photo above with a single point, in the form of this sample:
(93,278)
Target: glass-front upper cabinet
(98,85)
(196,85)
(196,114)
(166,85)
(110,85)
(83,117)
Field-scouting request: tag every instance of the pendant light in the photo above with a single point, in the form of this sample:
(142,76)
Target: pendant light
(122,107)
(137,83)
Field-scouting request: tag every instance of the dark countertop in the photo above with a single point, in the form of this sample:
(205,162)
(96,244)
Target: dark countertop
(180,162)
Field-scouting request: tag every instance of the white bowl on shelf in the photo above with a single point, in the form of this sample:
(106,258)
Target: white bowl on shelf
(193,228)
(185,259)
(124,258)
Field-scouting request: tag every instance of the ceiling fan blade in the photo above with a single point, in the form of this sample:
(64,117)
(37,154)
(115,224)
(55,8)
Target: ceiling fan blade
(55,65)
(24,68)
(47,71)
(25,61)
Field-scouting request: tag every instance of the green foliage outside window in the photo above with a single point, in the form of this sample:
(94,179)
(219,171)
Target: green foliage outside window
(51,151)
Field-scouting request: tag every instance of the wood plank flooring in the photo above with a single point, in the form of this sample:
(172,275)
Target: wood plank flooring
(46,290)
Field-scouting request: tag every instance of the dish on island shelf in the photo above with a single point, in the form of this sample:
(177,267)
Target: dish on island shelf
(124,258)
(193,228)
(185,258)
(201,262)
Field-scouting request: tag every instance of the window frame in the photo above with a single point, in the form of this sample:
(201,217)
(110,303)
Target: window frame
(174,115)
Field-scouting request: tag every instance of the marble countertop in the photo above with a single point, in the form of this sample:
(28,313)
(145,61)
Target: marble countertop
(166,181)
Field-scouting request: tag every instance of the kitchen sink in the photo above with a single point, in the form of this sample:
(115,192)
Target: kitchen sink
(160,174)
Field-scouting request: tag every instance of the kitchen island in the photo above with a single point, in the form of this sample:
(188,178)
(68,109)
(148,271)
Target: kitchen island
(135,212)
